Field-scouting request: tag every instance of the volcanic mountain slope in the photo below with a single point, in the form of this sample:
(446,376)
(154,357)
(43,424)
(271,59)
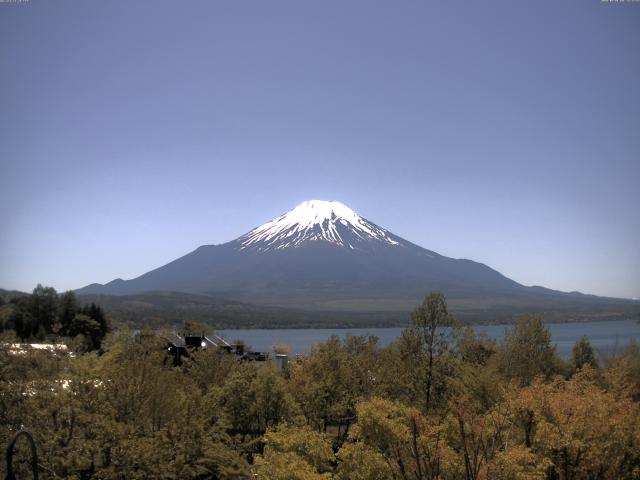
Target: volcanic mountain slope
(323,255)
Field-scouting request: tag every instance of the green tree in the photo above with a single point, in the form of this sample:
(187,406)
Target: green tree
(426,350)
(330,380)
(43,305)
(236,400)
(67,310)
(527,351)
(86,332)
(150,419)
(209,367)
(358,461)
(17,317)
(272,401)
(477,376)
(473,348)
(95,312)
(192,327)
(582,354)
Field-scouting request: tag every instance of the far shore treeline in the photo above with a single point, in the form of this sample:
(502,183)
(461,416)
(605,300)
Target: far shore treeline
(439,403)
(156,309)
(45,316)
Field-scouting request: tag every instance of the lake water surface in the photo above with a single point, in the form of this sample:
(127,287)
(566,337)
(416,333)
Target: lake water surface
(603,335)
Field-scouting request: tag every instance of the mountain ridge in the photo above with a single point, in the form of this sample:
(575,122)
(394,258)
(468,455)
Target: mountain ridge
(322,254)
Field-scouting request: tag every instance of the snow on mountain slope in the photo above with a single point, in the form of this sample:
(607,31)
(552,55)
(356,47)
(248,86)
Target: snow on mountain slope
(322,255)
(316,220)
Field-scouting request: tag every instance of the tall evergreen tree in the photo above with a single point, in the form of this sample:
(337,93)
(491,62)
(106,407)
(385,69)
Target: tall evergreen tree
(44,308)
(97,329)
(20,318)
(67,310)
(582,354)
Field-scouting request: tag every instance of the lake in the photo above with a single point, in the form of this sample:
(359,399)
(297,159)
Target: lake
(603,335)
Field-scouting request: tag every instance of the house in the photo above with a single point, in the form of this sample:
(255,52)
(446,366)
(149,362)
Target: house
(180,346)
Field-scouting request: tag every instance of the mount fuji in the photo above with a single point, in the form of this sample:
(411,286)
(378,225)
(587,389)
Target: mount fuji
(323,255)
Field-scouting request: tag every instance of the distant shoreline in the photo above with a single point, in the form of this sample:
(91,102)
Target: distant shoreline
(603,334)
(408,323)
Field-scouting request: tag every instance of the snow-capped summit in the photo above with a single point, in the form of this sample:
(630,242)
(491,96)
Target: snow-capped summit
(322,256)
(316,220)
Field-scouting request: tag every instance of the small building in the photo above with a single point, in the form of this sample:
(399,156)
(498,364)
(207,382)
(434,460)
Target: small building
(204,341)
(179,346)
(282,360)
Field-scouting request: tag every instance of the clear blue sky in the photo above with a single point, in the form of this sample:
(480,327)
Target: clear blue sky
(132,132)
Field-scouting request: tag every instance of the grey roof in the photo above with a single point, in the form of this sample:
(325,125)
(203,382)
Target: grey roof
(175,339)
(217,341)
(211,340)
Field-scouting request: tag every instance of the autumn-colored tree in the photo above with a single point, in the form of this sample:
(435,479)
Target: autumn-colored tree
(582,430)
(478,434)
(295,453)
(623,374)
(358,461)
(517,463)
(413,446)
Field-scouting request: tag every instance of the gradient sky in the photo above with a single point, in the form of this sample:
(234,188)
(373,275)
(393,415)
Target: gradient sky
(132,132)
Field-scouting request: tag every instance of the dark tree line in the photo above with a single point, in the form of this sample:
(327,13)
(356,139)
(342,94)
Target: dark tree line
(45,314)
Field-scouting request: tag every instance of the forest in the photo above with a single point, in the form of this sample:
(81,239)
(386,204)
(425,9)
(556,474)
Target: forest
(48,316)
(439,403)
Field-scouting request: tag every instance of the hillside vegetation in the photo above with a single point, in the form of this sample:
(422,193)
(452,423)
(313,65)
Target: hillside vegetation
(175,307)
(440,403)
